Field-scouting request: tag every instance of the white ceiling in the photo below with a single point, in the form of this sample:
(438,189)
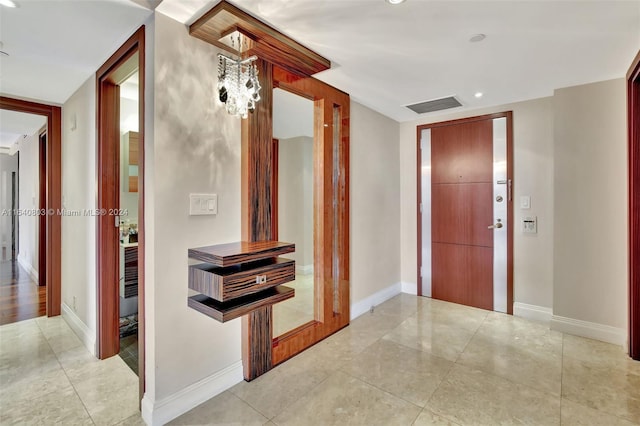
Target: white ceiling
(388,56)
(384,56)
(14,125)
(55,45)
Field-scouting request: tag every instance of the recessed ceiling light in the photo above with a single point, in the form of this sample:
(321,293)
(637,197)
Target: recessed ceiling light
(478,94)
(395,1)
(7,3)
(477,38)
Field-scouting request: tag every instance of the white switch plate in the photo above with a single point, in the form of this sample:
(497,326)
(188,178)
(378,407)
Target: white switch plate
(203,204)
(525,202)
(530,225)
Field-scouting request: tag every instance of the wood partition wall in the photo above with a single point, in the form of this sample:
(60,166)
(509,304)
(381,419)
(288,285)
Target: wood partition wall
(283,62)
(53,194)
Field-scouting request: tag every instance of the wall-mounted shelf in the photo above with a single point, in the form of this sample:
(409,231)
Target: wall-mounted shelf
(238,307)
(239,278)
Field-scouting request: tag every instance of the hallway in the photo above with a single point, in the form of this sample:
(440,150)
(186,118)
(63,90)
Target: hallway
(20,297)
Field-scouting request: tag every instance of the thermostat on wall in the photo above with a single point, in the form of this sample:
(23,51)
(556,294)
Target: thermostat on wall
(530,225)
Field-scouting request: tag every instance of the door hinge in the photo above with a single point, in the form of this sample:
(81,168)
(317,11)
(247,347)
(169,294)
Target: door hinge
(422,271)
(117,221)
(421,208)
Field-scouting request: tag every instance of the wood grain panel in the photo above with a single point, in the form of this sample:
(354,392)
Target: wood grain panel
(462,152)
(257,146)
(20,297)
(226,311)
(223,255)
(464,274)
(460,214)
(633,110)
(257,329)
(263,40)
(133,148)
(224,284)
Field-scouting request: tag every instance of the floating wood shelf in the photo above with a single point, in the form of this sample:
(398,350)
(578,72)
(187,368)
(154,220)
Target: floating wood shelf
(239,278)
(223,255)
(224,284)
(225,311)
(262,39)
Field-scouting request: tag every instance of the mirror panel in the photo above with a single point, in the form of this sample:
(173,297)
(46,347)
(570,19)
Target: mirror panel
(293,130)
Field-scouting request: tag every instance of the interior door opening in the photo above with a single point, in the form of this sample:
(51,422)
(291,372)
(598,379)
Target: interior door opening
(120,230)
(465,224)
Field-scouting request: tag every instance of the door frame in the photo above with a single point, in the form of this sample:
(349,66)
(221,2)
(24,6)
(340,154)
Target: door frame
(510,225)
(53,272)
(117,68)
(633,123)
(42,204)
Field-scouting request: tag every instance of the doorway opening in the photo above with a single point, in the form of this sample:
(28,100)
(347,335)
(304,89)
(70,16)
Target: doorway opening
(120,225)
(465,211)
(40,207)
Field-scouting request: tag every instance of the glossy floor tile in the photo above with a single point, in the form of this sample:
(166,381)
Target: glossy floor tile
(418,361)
(410,361)
(48,377)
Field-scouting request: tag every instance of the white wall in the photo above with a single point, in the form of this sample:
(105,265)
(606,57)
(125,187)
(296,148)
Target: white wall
(78,194)
(375,203)
(29,184)
(8,164)
(533,176)
(590,244)
(295,197)
(196,149)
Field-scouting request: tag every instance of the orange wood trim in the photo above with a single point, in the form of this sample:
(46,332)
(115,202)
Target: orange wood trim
(129,57)
(42,205)
(633,111)
(54,194)
(327,101)
(263,40)
(418,212)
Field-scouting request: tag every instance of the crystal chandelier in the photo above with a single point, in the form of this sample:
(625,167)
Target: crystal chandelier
(238,86)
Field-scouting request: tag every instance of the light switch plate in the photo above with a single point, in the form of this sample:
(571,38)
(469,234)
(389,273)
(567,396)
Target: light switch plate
(525,202)
(203,204)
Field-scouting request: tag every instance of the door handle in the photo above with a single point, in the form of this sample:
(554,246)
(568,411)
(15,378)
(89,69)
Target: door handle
(496,226)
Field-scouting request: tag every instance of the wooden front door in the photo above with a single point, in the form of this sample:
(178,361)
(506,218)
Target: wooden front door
(462,210)
(465,218)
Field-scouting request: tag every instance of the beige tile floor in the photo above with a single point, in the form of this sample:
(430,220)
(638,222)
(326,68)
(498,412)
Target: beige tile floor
(412,361)
(47,377)
(418,361)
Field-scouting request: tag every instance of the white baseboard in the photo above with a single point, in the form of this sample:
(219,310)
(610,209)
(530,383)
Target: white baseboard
(409,288)
(591,330)
(304,269)
(157,413)
(359,308)
(29,268)
(532,312)
(87,337)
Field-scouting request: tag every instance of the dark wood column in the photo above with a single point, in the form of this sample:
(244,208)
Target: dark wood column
(257,146)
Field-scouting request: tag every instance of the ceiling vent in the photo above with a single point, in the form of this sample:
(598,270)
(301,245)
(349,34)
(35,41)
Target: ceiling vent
(435,105)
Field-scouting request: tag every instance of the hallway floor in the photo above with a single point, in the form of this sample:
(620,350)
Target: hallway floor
(47,377)
(20,297)
(413,361)
(421,361)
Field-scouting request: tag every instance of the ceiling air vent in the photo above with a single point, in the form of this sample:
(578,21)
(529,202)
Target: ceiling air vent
(435,105)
